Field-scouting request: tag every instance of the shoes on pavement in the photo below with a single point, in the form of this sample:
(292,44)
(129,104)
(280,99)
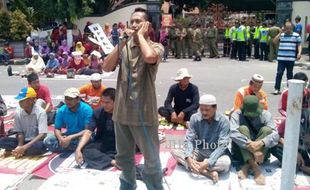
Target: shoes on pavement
(276,92)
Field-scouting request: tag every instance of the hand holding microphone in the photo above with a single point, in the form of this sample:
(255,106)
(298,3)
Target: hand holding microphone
(126,34)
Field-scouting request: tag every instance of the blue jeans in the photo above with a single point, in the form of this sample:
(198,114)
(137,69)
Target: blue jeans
(282,65)
(52,144)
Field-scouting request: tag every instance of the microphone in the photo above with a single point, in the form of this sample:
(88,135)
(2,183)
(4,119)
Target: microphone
(124,37)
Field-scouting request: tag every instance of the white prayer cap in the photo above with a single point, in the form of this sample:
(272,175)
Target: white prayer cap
(95,77)
(207,99)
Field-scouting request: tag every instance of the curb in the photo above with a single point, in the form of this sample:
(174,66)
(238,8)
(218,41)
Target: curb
(306,65)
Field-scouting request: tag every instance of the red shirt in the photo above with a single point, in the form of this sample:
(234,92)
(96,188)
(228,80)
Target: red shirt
(88,48)
(44,94)
(55,35)
(72,65)
(10,51)
(283,105)
(28,52)
(283,101)
(308,28)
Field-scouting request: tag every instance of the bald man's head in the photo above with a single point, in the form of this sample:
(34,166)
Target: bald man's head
(288,27)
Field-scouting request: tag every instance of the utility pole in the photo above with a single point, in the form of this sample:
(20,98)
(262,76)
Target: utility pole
(291,136)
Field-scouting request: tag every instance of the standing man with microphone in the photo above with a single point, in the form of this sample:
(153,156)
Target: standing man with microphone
(135,114)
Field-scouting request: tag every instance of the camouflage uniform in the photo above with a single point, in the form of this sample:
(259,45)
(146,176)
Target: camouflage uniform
(273,47)
(172,39)
(211,39)
(197,43)
(189,42)
(180,41)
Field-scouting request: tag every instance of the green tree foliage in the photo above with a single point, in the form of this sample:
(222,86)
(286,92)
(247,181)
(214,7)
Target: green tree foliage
(190,4)
(20,28)
(4,25)
(43,12)
(73,9)
(101,7)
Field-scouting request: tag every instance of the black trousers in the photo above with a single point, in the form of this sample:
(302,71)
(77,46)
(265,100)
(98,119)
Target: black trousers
(164,112)
(98,156)
(234,50)
(241,46)
(256,49)
(263,52)
(226,47)
(249,48)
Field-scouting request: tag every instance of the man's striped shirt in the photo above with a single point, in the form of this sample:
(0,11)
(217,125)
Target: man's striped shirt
(288,46)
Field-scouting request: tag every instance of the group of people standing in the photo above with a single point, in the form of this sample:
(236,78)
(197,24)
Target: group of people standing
(188,42)
(241,40)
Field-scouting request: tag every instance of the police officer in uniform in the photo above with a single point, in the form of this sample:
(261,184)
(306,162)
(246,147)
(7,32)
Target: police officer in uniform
(211,39)
(263,39)
(233,36)
(256,40)
(226,49)
(197,42)
(189,41)
(180,42)
(241,41)
(250,37)
(172,40)
(273,47)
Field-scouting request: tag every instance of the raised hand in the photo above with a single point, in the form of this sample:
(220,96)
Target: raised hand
(144,29)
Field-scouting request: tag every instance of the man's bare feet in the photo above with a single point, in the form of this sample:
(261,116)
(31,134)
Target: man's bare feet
(5,154)
(244,172)
(259,157)
(114,164)
(259,177)
(213,175)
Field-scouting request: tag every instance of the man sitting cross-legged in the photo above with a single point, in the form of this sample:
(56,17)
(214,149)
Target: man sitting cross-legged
(100,153)
(185,97)
(30,124)
(92,92)
(254,88)
(75,116)
(253,134)
(206,141)
(43,95)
